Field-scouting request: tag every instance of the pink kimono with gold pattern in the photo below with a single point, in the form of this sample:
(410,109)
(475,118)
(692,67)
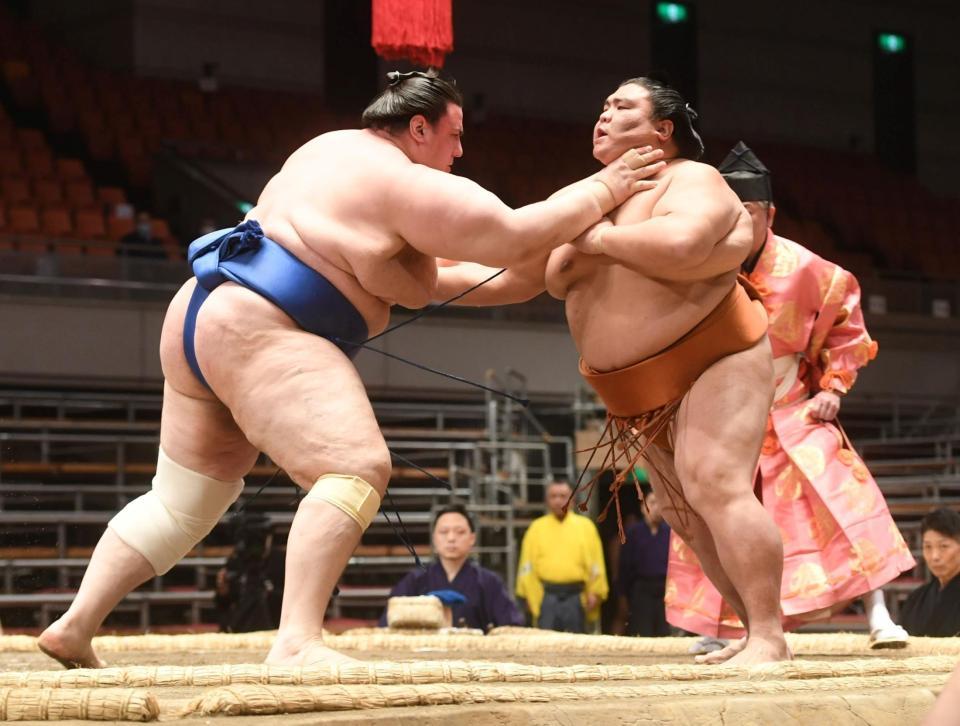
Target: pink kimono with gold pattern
(839,539)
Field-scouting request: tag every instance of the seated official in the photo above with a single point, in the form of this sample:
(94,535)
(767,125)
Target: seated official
(934,609)
(487,602)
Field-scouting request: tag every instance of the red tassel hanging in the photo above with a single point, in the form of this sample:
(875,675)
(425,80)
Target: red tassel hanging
(420,31)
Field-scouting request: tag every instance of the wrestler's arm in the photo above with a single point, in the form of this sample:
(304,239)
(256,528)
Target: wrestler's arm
(448,216)
(696,213)
(728,254)
(515,285)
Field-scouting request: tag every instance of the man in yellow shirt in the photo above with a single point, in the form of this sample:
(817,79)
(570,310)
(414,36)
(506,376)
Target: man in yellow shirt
(562,576)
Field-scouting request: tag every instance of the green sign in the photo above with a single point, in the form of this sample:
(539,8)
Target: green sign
(672,13)
(891,42)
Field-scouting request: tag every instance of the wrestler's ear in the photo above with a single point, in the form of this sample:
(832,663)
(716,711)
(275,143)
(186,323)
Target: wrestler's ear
(663,129)
(419,128)
(771,213)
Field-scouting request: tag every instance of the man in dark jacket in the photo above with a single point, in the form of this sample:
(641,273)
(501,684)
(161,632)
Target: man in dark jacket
(487,602)
(934,609)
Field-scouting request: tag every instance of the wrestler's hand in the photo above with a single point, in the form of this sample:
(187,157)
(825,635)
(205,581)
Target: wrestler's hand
(592,601)
(825,406)
(591,241)
(626,176)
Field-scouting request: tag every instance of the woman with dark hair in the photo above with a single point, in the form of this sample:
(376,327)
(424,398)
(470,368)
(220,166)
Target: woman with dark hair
(934,609)
(484,602)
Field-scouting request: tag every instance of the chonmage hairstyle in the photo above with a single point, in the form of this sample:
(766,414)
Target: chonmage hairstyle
(944,521)
(669,104)
(408,95)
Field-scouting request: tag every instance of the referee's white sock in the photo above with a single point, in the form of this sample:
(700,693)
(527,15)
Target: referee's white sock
(877,614)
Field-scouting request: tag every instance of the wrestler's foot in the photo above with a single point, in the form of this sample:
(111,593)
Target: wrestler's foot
(759,650)
(67,647)
(724,654)
(305,652)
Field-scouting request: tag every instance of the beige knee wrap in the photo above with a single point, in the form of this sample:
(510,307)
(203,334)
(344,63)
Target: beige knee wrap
(350,494)
(179,510)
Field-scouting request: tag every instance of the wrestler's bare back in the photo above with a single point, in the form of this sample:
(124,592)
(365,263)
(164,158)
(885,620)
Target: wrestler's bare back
(617,315)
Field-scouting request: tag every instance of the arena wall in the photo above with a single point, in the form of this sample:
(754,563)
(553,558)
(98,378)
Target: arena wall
(117,342)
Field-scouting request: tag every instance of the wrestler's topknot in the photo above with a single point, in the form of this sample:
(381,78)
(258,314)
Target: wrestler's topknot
(669,104)
(411,94)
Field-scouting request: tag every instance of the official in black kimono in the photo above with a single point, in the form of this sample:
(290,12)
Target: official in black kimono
(486,601)
(934,609)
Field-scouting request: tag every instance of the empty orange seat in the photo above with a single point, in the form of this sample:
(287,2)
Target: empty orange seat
(68,169)
(101,248)
(160,229)
(10,161)
(139,170)
(55,222)
(6,242)
(99,144)
(88,224)
(23,219)
(47,191)
(121,124)
(15,69)
(130,146)
(172,250)
(31,139)
(111,195)
(14,189)
(118,227)
(92,119)
(79,193)
(38,163)
(7,139)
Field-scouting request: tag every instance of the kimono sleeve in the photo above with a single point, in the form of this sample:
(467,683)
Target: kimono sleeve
(847,346)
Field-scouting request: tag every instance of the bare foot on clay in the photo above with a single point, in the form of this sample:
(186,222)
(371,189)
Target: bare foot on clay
(760,650)
(722,655)
(312,651)
(67,648)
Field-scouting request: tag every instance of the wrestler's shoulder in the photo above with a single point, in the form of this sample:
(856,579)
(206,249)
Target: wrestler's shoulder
(358,145)
(689,170)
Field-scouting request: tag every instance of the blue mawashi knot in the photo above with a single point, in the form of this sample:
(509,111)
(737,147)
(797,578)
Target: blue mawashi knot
(206,253)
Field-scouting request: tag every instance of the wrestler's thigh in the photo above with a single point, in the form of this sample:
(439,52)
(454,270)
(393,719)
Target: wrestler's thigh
(196,430)
(720,426)
(663,477)
(298,398)
(688,525)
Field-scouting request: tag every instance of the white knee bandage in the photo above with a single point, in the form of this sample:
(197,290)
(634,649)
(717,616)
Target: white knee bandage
(350,494)
(179,510)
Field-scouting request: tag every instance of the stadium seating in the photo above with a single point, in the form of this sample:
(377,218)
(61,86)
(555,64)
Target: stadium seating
(891,223)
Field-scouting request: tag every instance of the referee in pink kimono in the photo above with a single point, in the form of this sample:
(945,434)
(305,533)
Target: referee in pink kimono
(840,542)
